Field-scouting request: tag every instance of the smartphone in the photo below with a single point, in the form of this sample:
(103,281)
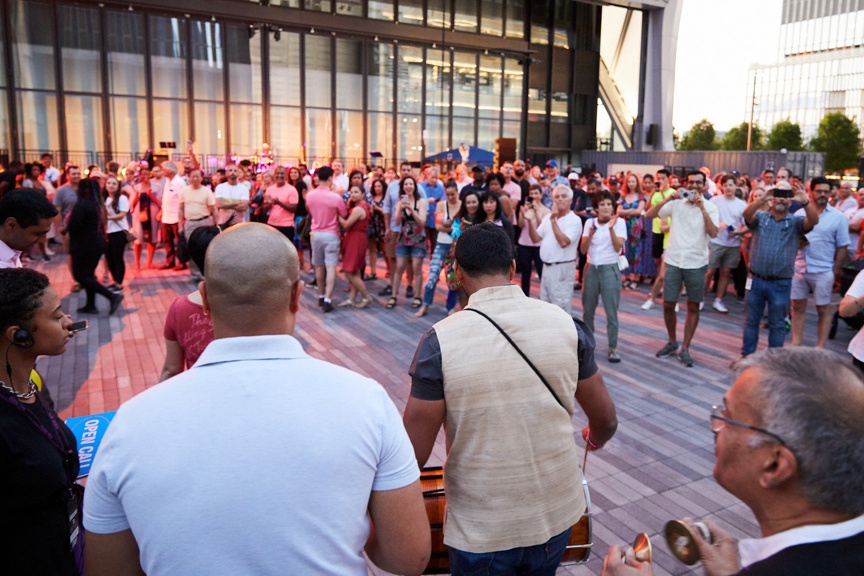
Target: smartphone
(782,193)
(78,326)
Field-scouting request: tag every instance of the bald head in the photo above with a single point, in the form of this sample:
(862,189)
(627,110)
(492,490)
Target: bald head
(251,271)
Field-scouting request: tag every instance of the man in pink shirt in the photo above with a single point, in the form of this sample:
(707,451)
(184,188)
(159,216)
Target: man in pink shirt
(325,206)
(282,199)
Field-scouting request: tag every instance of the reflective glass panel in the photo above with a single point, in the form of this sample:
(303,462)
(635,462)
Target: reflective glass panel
(32,45)
(318,131)
(492,17)
(487,132)
(4,122)
(562,23)
(380,135)
(246,129)
(465,18)
(540,21)
(349,136)
(81,46)
(350,8)
(244,65)
(285,134)
(380,77)
(170,122)
(349,74)
(208,81)
(464,84)
(125,37)
(210,128)
(408,142)
(317,5)
(536,105)
(285,69)
(318,68)
(437,81)
(381,9)
(514,75)
(84,123)
(438,14)
(515,19)
(37,122)
(409,93)
(168,56)
(411,11)
(463,132)
(129,125)
(512,130)
(437,134)
(489,85)
(560,107)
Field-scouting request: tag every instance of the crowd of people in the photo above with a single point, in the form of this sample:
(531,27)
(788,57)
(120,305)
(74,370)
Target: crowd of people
(285,456)
(770,235)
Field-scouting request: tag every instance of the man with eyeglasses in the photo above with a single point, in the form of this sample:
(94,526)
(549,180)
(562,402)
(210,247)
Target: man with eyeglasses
(776,235)
(819,263)
(694,221)
(787,443)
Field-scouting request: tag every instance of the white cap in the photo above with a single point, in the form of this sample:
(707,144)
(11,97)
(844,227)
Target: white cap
(573,176)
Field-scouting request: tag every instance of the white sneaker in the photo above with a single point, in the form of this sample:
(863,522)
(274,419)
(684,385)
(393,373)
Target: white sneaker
(701,305)
(648,304)
(677,308)
(720,307)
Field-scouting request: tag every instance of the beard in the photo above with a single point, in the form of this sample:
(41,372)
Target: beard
(519,173)
(781,208)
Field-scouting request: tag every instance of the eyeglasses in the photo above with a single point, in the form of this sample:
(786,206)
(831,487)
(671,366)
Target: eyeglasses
(717,421)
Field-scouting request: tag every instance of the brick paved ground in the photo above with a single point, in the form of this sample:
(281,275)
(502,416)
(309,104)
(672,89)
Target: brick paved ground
(658,466)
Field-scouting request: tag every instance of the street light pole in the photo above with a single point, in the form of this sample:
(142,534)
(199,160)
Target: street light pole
(752,111)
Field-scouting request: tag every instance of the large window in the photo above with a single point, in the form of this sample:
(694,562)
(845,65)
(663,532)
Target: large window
(464,84)
(411,11)
(318,68)
(318,131)
(125,37)
(492,17)
(84,123)
(465,18)
(285,133)
(210,133)
(208,68)
(381,9)
(82,66)
(285,69)
(129,125)
(409,92)
(349,74)
(168,56)
(437,81)
(32,44)
(379,82)
(244,65)
(438,14)
(489,85)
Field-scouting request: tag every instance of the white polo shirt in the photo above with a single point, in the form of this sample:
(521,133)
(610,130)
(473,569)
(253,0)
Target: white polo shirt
(688,241)
(550,250)
(171,200)
(9,258)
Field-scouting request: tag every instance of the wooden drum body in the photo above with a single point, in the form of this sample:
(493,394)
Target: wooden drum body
(432,483)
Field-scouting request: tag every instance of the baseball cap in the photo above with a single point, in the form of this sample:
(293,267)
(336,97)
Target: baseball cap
(551,164)
(613,180)
(736,173)
(573,176)
(477,169)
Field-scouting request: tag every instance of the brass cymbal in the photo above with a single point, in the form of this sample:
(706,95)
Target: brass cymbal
(642,547)
(682,542)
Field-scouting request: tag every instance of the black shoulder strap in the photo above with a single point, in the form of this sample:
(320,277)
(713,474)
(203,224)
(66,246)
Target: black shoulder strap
(522,354)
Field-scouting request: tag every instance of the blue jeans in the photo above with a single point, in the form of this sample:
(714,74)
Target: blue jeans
(434,272)
(538,560)
(776,294)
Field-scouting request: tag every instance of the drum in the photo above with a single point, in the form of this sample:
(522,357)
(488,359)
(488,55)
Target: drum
(432,484)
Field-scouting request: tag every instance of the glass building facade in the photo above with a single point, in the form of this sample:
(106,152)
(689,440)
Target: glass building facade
(380,80)
(821,66)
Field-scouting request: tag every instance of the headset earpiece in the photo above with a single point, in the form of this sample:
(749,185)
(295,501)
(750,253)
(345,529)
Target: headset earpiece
(22,338)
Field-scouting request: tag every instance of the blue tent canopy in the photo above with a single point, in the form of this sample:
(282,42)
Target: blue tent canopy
(475,156)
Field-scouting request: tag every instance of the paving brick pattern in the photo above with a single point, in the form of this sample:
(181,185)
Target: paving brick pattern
(658,467)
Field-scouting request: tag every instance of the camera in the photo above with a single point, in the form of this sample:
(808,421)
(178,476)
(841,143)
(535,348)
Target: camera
(686,194)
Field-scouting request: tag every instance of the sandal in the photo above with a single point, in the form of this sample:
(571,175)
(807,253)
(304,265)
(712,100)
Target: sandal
(364,302)
(416,303)
(391,303)
(421,312)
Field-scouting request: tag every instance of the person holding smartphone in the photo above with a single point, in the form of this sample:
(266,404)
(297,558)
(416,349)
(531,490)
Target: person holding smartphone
(602,241)
(527,250)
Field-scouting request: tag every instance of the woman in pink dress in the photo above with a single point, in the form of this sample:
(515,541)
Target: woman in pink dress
(354,244)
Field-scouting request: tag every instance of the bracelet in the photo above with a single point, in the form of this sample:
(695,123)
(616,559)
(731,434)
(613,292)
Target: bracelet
(805,205)
(590,443)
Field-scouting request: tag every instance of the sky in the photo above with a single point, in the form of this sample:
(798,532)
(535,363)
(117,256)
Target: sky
(717,42)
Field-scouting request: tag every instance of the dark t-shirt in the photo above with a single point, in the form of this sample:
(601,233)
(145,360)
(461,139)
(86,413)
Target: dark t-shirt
(34,526)
(7,176)
(427,373)
(472,188)
(844,557)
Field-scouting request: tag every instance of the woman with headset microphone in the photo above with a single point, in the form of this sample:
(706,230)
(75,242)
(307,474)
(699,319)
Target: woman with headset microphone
(39,514)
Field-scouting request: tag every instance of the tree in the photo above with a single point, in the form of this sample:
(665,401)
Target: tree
(736,138)
(700,137)
(838,136)
(785,134)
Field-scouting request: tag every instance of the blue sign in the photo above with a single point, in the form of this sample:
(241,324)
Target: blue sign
(89,431)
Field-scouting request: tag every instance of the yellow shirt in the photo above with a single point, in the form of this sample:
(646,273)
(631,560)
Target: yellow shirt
(656,198)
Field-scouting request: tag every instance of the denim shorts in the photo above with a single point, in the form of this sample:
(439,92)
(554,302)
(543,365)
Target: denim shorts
(410,251)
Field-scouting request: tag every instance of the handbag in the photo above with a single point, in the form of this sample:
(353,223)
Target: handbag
(623,263)
(304,230)
(130,236)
